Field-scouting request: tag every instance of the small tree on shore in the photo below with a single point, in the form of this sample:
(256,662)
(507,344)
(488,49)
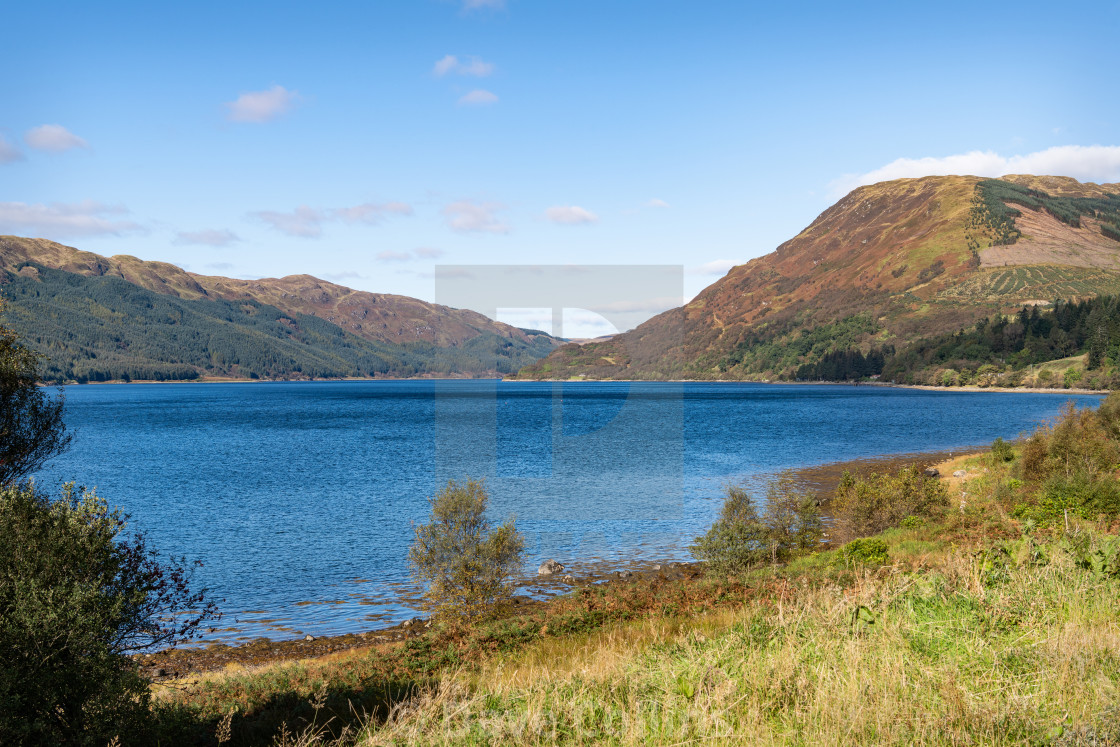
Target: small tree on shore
(790,523)
(465,565)
(76,599)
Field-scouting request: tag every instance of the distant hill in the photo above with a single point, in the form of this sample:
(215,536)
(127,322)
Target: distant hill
(99,318)
(887,264)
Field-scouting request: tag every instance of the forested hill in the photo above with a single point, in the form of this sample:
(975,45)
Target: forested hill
(888,264)
(99,326)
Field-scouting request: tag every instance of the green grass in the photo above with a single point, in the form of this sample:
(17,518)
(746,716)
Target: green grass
(976,628)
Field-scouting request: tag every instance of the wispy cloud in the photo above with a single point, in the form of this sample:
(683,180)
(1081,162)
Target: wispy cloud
(53,138)
(422,253)
(656,203)
(262,106)
(715,267)
(391,256)
(570,215)
(371,213)
(307,222)
(9,153)
(468,216)
(472,66)
(220,266)
(469,5)
(207,237)
(478,97)
(61,220)
(1095,163)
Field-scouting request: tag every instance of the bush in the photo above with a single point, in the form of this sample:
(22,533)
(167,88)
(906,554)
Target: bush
(1002,451)
(863,507)
(465,566)
(868,550)
(75,600)
(742,539)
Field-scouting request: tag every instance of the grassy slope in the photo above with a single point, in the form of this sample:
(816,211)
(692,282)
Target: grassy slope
(953,642)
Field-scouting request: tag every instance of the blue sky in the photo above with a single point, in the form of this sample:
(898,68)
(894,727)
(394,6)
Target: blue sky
(366,142)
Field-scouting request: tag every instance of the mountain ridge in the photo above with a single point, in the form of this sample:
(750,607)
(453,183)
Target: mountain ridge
(885,263)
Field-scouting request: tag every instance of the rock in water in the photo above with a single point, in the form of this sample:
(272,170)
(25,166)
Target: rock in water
(549,567)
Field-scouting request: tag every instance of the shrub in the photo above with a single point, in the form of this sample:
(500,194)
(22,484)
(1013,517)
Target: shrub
(867,550)
(863,507)
(76,598)
(737,541)
(741,538)
(465,566)
(1002,451)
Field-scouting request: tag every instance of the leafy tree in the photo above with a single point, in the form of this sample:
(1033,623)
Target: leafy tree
(465,565)
(31,427)
(76,598)
(790,523)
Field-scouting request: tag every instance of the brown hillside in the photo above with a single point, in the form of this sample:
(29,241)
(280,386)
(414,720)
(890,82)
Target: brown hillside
(381,317)
(896,256)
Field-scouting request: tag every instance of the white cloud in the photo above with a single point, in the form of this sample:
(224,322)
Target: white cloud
(656,203)
(478,97)
(480,4)
(391,256)
(60,220)
(472,66)
(208,236)
(371,213)
(1093,163)
(715,267)
(421,253)
(468,216)
(220,266)
(53,139)
(262,106)
(570,215)
(445,65)
(307,222)
(8,152)
(304,221)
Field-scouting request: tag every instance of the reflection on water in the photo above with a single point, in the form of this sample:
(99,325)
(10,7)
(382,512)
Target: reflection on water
(300,498)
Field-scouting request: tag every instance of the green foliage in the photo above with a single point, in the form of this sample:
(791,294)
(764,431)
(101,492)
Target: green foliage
(869,550)
(741,538)
(76,597)
(1002,451)
(101,328)
(867,506)
(465,565)
(1014,343)
(1098,555)
(798,342)
(991,209)
(31,427)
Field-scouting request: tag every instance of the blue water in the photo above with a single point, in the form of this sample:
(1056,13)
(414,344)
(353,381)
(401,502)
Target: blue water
(300,497)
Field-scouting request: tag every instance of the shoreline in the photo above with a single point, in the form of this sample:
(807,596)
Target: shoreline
(201,658)
(971,388)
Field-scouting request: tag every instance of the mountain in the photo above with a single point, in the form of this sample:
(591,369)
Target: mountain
(98,318)
(888,263)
